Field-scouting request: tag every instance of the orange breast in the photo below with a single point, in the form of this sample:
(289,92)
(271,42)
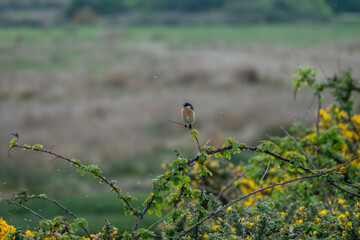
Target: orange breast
(188,115)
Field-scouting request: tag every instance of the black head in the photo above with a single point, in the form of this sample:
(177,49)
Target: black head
(188,105)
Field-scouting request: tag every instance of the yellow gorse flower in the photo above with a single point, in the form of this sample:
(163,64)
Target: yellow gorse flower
(323,212)
(5,228)
(216,227)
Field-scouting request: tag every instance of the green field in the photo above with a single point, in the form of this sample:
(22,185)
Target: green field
(96,47)
(296,35)
(94,208)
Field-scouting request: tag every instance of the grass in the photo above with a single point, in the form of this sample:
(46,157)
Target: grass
(73,47)
(93,208)
(296,35)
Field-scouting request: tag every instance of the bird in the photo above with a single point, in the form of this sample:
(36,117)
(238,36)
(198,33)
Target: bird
(188,114)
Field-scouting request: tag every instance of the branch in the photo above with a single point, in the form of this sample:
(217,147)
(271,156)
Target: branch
(211,214)
(345,183)
(141,216)
(250,148)
(343,189)
(63,208)
(112,186)
(22,206)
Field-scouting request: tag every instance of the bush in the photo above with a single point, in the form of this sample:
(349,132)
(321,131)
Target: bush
(301,185)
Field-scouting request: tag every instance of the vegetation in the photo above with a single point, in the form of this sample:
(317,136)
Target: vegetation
(304,184)
(245,11)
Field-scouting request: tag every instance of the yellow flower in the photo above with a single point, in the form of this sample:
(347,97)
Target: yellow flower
(29,233)
(282,213)
(356,119)
(163,165)
(233,229)
(347,213)
(341,201)
(205,235)
(323,212)
(341,216)
(325,116)
(299,221)
(350,224)
(301,208)
(311,136)
(216,227)
(5,228)
(229,208)
(214,164)
(357,215)
(314,232)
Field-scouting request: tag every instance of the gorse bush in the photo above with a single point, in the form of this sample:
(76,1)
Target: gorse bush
(304,185)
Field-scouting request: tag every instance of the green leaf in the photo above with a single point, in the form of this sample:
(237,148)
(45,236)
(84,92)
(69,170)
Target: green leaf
(13,142)
(158,212)
(37,146)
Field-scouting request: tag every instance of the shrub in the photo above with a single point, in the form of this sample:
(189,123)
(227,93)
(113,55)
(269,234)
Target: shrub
(301,185)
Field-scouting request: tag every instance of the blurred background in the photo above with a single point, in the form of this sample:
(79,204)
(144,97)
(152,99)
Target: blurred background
(99,80)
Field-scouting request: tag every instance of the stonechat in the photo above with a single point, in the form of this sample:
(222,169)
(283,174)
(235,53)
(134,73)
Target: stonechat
(188,114)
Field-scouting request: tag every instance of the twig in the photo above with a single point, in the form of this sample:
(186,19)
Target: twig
(248,211)
(298,145)
(176,122)
(63,208)
(22,206)
(250,148)
(80,165)
(343,189)
(158,221)
(141,216)
(211,214)
(345,183)
(198,144)
(240,175)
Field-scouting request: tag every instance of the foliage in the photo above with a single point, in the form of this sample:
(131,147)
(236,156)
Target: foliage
(302,185)
(240,11)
